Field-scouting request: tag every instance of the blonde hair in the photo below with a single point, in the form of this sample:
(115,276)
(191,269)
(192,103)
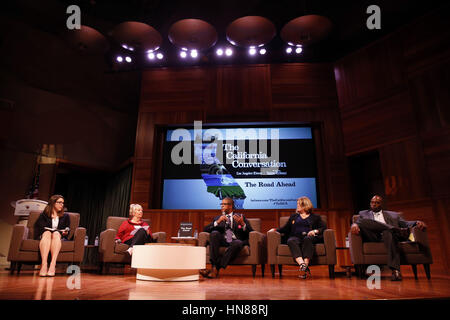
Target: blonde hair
(133,208)
(305,204)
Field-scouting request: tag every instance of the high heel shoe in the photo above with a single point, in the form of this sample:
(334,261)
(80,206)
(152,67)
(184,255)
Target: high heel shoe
(43,272)
(306,272)
(51,273)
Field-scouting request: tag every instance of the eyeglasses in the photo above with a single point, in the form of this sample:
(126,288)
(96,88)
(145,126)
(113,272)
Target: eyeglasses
(59,202)
(225,204)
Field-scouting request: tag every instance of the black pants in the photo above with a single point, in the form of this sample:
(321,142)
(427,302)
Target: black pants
(301,247)
(140,237)
(217,240)
(374,231)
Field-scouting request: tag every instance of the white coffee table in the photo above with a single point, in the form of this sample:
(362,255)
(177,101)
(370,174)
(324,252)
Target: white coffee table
(168,262)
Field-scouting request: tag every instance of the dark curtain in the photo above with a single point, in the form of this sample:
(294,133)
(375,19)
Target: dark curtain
(96,197)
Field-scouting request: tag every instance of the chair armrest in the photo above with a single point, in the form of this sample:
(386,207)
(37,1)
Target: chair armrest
(159,237)
(19,233)
(329,240)
(356,248)
(421,237)
(273,240)
(107,241)
(203,239)
(257,241)
(78,239)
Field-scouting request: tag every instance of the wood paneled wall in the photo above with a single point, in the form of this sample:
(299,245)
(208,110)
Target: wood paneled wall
(391,96)
(394,97)
(281,93)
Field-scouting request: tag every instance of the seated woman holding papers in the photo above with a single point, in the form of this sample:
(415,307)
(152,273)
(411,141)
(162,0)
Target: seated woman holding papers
(52,226)
(134,230)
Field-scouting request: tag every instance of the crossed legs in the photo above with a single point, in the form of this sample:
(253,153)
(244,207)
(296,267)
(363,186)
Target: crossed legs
(301,249)
(374,231)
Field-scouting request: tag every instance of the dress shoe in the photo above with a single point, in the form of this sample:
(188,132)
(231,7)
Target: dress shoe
(214,273)
(205,273)
(396,275)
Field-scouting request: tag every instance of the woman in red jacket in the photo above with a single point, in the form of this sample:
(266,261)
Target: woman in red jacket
(134,230)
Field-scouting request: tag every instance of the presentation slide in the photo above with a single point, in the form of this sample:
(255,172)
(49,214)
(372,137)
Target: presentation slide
(259,167)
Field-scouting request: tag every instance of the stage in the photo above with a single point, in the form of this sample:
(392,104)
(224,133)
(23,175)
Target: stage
(235,283)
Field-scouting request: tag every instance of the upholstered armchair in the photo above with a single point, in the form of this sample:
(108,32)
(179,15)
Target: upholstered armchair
(412,252)
(24,249)
(278,253)
(112,252)
(253,254)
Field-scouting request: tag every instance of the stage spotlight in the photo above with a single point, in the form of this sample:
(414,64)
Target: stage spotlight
(228,52)
(183,54)
(219,52)
(119,59)
(288,50)
(262,51)
(194,53)
(128,59)
(252,51)
(124,46)
(151,55)
(159,56)
(298,50)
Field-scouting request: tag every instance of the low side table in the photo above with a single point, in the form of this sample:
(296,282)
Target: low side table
(168,262)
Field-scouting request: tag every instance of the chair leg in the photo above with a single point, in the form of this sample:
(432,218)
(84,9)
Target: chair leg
(19,266)
(361,271)
(106,265)
(272,270)
(426,266)
(331,271)
(100,267)
(12,267)
(262,269)
(414,268)
(280,270)
(254,270)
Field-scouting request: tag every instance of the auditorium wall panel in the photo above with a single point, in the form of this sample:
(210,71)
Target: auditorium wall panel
(280,93)
(394,98)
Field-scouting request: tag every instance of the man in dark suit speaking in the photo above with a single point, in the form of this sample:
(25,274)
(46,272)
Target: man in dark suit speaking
(378,225)
(229,230)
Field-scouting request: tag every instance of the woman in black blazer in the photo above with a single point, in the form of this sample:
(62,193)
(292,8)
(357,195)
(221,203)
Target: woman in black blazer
(51,227)
(303,230)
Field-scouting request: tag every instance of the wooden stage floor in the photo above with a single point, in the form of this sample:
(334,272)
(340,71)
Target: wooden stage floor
(234,283)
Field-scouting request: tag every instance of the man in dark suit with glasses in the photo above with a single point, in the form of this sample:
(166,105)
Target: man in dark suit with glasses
(230,230)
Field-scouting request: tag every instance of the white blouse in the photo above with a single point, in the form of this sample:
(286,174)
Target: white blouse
(55,222)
